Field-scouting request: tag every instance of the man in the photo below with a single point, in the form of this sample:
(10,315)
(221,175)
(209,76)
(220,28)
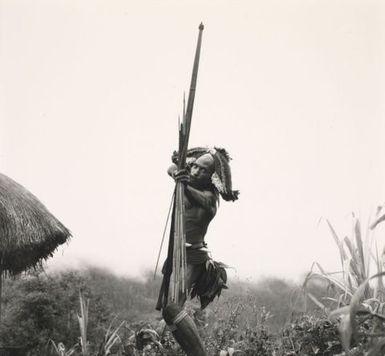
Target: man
(207,177)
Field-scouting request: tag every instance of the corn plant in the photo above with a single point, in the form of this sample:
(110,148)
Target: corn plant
(360,305)
(357,257)
(362,319)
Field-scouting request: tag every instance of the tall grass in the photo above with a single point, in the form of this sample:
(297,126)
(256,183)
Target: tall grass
(358,255)
(110,339)
(83,323)
(359,298)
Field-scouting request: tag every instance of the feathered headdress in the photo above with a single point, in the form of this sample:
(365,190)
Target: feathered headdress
(221,178)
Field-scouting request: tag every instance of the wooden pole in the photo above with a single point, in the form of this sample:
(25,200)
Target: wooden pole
(1,292)
(177,281)
(191,97)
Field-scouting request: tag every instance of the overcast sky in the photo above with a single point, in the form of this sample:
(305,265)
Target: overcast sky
(90,93)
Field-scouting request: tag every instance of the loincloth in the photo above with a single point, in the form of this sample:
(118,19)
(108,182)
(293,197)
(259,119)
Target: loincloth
(210,282)
(205,278)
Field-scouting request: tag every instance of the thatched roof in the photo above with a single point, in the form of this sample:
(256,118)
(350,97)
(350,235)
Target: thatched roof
(29,233)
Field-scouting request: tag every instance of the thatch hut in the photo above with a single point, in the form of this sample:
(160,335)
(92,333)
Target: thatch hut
(29,233)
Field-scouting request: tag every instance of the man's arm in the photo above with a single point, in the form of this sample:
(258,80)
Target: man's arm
(206,199)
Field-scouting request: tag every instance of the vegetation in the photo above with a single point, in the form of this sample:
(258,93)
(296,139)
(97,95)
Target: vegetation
(95,313)
(356,304)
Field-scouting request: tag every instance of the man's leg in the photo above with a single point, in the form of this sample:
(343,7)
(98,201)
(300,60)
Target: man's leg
(182,326)
(184,330)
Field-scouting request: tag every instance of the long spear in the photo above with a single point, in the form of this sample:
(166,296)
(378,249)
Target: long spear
(177,287)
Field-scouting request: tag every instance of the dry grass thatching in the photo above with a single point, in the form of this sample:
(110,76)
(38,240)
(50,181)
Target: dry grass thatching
(29,233)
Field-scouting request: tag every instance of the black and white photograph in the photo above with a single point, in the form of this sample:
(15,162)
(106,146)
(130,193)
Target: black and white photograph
(200,178)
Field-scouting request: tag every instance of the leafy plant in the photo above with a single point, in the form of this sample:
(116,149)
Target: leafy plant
(83,323)
(110,339)
(357,257)
(310,335)
(362,321)
(360,305)
(60,348)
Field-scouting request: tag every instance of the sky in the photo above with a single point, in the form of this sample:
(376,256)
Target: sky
(90,93)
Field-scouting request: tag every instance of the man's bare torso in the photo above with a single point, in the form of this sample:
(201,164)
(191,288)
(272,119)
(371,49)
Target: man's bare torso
(200,206)
(197,218)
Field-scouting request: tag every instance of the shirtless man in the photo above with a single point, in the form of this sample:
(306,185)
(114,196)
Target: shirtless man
(206,178)
(200,208)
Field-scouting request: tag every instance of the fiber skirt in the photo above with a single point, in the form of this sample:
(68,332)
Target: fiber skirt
(205,279)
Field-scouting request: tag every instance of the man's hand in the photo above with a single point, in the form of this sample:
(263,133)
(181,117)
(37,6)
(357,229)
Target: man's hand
(181,176)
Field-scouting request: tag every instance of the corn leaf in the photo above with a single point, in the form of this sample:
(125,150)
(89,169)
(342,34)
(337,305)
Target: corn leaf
(338,242)
(317,302)
(360,250)
(345,329)
(380,219)
(355,302)
(335,314)
(83,323)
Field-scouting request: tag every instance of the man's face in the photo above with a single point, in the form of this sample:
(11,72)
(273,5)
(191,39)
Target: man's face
(201,170)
